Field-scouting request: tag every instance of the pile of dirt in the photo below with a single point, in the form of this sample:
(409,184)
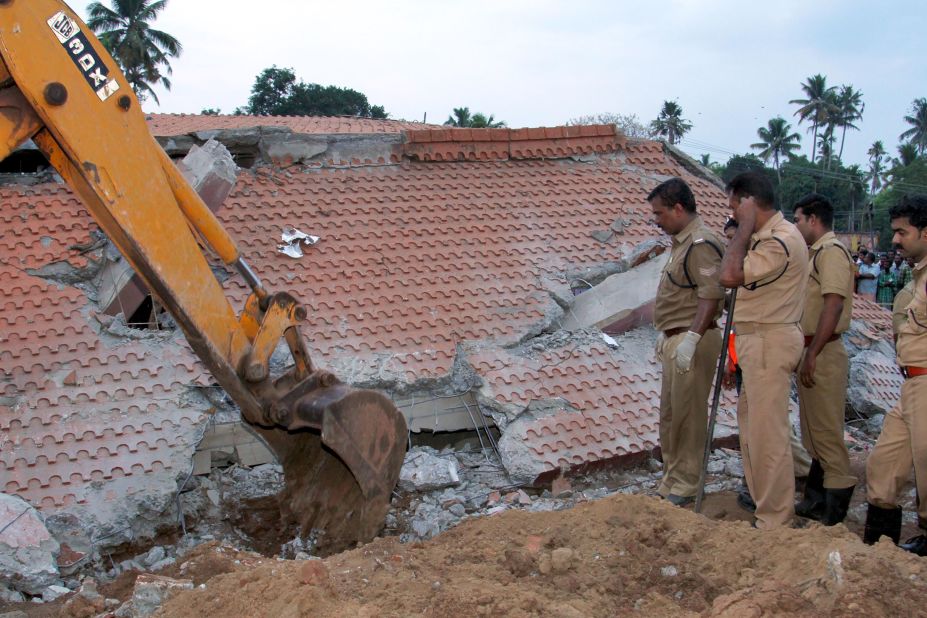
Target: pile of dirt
(601,558)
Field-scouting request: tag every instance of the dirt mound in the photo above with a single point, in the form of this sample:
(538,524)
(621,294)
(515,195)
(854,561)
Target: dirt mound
(600,558)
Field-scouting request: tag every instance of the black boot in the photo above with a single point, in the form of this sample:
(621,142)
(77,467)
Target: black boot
(814,503)
(882,522)
(916,545)
(836,505)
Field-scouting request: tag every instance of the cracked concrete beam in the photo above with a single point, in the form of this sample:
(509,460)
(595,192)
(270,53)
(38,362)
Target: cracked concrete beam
(619,303)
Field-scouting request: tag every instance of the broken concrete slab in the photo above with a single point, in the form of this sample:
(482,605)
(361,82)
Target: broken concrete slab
(567,400)
(150,592)
(424,469)
(211,172)
(28,551)
(875,383)
(620,303)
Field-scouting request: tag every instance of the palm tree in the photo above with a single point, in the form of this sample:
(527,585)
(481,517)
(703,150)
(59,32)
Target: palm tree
(482,121)
(907,154)
(850,108)
(876,174)
(826,141)
(462,118)
(815,106)
(917,134)
(776,142)
(705,159)
(142,52)
(670,123)
(459,118)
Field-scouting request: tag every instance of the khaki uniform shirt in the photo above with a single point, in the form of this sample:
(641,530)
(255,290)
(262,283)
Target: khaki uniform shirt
(696,252)
(775,275)
(831,272)
(912,332)
(904,296)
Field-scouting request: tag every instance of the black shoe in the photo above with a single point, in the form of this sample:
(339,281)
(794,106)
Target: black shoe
(680,500)
(916,545)
(745,501)
(813,505)
(836,505)
(882,522)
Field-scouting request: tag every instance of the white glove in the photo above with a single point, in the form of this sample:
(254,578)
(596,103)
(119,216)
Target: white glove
(686,350)
(658,348)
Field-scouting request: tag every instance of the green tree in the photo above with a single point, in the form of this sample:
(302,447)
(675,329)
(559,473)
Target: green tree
(907,154)
(845,187)
(210,111)
(850,108)
(669,123)
(461,117)
(142,52)
(745,163)
(817,105)
(917,134)
(777,142)
(908,179)
(481,121)
(877,157)
(826,142)
(277,92)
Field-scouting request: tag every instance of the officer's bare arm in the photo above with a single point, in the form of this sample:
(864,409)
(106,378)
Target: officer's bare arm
(732,266)
(704,315)
(827,323)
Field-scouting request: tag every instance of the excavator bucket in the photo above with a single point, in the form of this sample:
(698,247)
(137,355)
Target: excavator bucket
(339,479)
(341,448)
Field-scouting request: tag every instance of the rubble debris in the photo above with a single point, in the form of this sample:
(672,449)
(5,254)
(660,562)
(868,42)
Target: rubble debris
(425,470)
(28,551)
(870,391)
(149,593)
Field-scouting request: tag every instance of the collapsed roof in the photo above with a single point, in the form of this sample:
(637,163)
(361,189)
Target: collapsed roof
(447,266)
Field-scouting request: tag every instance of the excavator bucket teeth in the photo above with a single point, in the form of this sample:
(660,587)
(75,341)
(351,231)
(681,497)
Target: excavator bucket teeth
(339,482)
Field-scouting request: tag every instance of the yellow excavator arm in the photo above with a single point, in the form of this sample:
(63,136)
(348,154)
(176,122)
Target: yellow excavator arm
(341,448)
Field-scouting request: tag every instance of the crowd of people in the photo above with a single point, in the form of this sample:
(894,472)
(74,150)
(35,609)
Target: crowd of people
(880,276)
(790,290)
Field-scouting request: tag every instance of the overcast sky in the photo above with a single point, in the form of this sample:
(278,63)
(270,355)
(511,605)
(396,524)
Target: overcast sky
(730,65)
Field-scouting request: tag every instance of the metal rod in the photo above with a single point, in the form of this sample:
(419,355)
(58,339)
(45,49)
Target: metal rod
(250,277)
(715,401)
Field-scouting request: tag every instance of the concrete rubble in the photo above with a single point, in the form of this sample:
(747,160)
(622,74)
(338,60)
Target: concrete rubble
(425,470)
(149,593)
(28,551)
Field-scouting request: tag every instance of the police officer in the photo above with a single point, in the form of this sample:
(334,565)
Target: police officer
(686,310)
(767,260)
(824,370)
(903,441)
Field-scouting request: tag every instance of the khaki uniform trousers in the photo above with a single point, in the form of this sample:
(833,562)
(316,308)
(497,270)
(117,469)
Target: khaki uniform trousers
(768,355)
(901,445)
(822,415)
(684,413)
